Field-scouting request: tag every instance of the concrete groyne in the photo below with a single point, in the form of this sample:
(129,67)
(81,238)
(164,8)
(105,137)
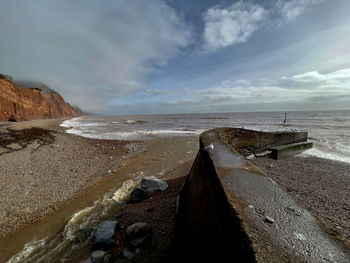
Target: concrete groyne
(229,211)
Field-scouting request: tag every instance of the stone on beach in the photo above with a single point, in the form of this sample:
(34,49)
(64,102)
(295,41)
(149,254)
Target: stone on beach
(100,256)
(138,233)
(151,183)
(147,185)
(105,235)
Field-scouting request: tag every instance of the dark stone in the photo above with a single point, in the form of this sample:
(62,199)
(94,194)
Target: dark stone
(138,233)
(151,183)
(100,256)
(138,195)
(105,235)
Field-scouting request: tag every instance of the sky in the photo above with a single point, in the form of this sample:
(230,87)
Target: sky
(179,56)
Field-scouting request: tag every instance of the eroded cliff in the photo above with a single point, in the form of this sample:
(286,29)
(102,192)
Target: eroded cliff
(20,104)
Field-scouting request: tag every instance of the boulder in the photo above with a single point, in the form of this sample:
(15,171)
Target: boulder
(138,195)
(147,184)
(138,233)
(151,183)
(105,235)
(100,256)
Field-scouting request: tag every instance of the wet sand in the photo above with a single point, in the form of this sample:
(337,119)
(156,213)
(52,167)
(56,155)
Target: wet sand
(320,185)
(41,169)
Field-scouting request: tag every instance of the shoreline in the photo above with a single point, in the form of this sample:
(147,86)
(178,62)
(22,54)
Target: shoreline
(48,168)
(319,185)
(156,157)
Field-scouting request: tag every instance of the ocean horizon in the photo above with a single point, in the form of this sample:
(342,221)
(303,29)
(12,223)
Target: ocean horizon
(328,130)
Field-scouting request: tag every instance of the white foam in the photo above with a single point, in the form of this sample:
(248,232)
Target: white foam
(122,194)
(165,132)
(326,155)
(26,253)
(77,122)
(75,222)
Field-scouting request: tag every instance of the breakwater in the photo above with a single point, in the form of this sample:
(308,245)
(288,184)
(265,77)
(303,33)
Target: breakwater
(229,209)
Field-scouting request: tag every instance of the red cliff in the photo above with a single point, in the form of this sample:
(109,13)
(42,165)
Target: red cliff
(20,104)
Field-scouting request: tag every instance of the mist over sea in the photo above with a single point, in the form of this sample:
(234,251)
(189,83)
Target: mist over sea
(328,130)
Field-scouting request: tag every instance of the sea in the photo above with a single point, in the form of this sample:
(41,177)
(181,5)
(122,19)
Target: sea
(328,130)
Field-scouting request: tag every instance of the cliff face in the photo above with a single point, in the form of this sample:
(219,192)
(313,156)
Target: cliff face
(20,104)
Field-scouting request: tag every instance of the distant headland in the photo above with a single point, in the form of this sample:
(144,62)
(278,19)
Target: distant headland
(21,101)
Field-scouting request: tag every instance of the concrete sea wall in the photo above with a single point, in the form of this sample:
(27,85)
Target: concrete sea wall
(229,211)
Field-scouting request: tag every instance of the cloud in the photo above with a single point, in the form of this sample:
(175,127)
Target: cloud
(224,27)
(234,24)
(289,10)
(307,91)
(311,86)
(336,77)
(89,51)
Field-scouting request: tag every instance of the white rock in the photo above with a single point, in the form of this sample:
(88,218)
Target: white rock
(269,219)
(300,236)
(250,157)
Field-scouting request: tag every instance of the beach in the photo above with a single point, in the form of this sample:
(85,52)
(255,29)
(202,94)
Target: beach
(320,185)
(51,177)
(42,169)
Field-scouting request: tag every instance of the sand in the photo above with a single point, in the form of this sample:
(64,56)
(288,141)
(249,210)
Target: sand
(42,169)
(320,185)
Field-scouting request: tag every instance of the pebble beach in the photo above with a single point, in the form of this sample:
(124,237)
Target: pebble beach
(42,168)
(320,185)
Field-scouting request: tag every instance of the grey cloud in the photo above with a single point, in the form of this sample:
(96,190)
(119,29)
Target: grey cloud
(89,51)
(281,93)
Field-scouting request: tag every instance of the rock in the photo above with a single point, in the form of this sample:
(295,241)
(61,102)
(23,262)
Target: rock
(250,157)
(128,254)
(105,235)
(100,256)
(151,183)
(138,233)
(138,195)
(270,165)
(269,220)
(29,101)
